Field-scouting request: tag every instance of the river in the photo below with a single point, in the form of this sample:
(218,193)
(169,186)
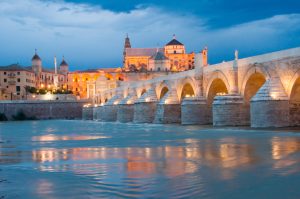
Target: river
(89,159)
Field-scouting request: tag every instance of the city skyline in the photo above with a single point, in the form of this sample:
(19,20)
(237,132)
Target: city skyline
(90,34)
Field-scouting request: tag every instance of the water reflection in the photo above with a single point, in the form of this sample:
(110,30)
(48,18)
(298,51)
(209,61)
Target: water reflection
(145,164)
(171,160)
(284,151)
(52,137)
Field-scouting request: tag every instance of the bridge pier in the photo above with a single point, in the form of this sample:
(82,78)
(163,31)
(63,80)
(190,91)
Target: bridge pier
(87,113)
(230,110)
(195,111)
(169,108)
(167,113)
(94,113)
(270,106)
(109,110)
(145,107)
(144,112)
(109,113)
(125,113)
(98,113)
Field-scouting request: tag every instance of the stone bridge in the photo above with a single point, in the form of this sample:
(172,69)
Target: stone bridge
(261,91)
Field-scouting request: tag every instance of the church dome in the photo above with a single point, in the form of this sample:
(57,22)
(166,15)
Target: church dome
(159,56)
(63,63)
(174,42)
(36,57)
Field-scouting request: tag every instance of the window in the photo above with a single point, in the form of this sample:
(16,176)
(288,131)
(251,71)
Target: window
(5,80)
(4,73)
(19,80)
(18,88)
(18,73)
(174,51)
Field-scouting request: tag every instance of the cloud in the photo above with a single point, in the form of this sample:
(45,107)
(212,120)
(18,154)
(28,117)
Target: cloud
(90,36)
(63,9)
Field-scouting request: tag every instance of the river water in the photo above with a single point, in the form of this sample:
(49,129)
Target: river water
(87,159)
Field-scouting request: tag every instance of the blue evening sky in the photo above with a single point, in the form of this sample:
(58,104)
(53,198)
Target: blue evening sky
(90,33)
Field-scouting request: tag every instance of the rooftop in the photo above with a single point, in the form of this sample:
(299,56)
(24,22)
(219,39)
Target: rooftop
(147,52)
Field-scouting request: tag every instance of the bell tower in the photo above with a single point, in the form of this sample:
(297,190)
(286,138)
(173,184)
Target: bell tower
(36,63)
(126,45)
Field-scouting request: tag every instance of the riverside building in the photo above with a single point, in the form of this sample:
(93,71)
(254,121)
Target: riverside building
(16,79)
(171,57)
(139,64)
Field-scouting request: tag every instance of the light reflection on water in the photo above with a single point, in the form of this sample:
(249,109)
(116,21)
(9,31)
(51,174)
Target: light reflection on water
(51,137)
(119,160)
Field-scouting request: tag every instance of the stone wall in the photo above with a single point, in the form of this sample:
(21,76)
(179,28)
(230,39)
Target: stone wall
(270,113)
(230,110)
(144,112)
(87,113)
(109,113)
(168,113)
(195,112)
(98,113)
(125,113)
(295,113)
(44,109)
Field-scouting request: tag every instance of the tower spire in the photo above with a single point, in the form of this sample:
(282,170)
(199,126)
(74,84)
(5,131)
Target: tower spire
(55,64)
(127,42)
(126,45)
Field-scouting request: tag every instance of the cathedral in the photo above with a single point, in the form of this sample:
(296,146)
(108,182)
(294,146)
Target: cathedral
(171,57)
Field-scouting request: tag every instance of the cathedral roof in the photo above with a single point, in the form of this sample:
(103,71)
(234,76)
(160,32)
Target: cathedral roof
(63,63)
(148,52)
(174,42)
(159,56)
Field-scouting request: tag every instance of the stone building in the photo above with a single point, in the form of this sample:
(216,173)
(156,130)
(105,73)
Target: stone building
(85,83)
(159,62)
(15,78)
(141,59)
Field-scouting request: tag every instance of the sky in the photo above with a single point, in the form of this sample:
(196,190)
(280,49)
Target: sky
(90,33)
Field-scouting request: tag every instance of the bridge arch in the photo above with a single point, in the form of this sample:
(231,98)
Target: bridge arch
(217,84)
(187,88)
(295,101)
(293,83)
(161,90)
(141,91)
(253,80)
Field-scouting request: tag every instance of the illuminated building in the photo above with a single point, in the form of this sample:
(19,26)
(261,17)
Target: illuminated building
(14,79)
(172,57)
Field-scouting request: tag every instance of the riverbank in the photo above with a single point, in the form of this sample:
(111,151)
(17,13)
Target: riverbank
(41,110)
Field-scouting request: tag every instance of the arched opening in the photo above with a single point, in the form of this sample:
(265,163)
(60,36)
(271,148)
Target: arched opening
(163,92)
(295,104)
(143,92)
(187,91)
(253,84)
(217,87)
